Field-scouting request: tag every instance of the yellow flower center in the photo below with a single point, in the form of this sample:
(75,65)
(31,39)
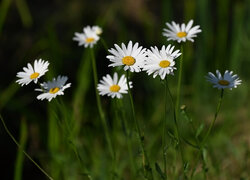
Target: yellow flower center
(164,63)
(34,75)
(223,82)
(181,34)
(114,88)
(128,60)
(89,40)
(54,90)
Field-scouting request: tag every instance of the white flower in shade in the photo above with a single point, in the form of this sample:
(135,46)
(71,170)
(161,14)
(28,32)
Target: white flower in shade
(181,32)
(53,88)
(132,57)
(113,87)
(161,62)
(97,30)
(221,82)
(88,38)
(31,73)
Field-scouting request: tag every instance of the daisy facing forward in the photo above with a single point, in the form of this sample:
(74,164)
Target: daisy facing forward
(221,82)
(89,37)
(161,62)
(53,88)
(181,32)
(132,56)
(113,87)
(32,73)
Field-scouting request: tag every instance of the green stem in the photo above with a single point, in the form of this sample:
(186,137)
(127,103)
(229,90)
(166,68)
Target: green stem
(104,123)
(126,133)
(164,126)
(146,164)
(215,117)
(20,147)
(177,107)
(104,44)
(178,132)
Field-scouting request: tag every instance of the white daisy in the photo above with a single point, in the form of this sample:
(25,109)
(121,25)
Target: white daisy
(88,38)
(161,62)
(97,30)
(181,32)
(221,82)
(53,88)
(32,73)
(113,87)
(132,57)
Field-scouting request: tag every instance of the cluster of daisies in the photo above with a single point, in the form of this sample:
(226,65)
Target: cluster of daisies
(158,62)
(49,89)
(133,58)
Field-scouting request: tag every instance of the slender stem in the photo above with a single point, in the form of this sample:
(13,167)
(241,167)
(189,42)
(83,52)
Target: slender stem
(104,123)
(20,147)
(215,117)
(146,165)
(164,126)
(178,132)
(126,133)
(177,107)
(104,44)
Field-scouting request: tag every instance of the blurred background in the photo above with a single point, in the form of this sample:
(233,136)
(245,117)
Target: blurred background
(35,29)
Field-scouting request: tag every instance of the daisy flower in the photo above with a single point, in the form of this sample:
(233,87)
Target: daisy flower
(132,56)
(113,87)
(161,62)
(31,73)
(53,88)
(181,32)
(97,30)
(88,38)
(221,82)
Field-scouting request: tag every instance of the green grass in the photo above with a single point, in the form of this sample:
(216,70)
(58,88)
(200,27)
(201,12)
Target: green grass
(66,136)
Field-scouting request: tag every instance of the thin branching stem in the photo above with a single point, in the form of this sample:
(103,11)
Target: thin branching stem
(146,164)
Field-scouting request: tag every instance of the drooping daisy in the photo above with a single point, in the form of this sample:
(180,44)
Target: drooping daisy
(53,88)
(221,82)
(181,32)
(113,87)
(88,38)
(132,57)
(161,62)
(31,73)
(97,30)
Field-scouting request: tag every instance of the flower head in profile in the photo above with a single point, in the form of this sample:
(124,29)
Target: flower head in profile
(181,32)
(97,30)
(53,88)
(32,73)
(228,80)
(113,87)
(131,57)
(88,38)
(161,62)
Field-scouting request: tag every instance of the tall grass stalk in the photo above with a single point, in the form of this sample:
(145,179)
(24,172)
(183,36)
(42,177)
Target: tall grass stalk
(177,130)
(20,155)
(21,148)
(215,117)
(177,105)
(146,164)
(164,126)
(99,106)
(124,123)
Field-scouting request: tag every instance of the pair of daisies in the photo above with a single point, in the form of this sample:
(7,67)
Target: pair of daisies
(89,36)
(49,89)
(154,61)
